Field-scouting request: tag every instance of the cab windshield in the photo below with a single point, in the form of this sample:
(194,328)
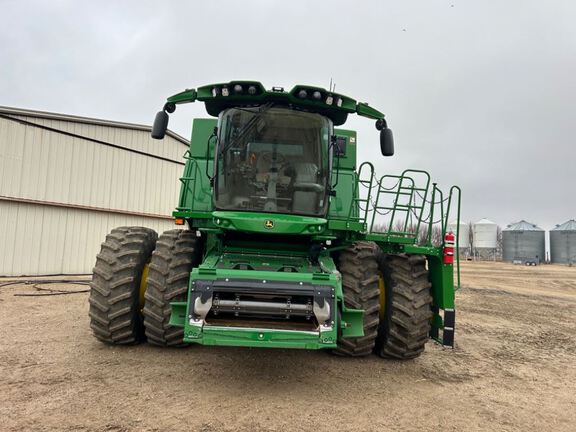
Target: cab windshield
(273,160)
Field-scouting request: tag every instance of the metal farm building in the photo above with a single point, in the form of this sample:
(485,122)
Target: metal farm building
(66,181)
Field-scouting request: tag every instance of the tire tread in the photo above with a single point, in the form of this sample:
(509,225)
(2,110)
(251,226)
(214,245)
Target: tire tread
(404,331)
(358,266)
(114,290)
(177,252)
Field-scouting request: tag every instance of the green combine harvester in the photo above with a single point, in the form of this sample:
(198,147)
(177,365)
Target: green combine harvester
(286,241)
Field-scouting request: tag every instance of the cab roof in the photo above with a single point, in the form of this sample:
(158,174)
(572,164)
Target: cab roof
(220,96)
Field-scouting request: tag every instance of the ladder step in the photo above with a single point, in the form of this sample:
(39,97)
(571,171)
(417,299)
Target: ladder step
(382,191)
(408,206)
(413,188)
(385,208)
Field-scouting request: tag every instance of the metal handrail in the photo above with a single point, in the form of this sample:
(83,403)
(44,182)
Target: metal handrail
(409,197)
(368,184)
(194,168)
(408,202)
(407,188)
(452,190)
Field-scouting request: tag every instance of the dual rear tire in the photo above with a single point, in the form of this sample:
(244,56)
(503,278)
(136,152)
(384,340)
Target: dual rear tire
(176,253)
(135,278)
(394,292)
(115,287)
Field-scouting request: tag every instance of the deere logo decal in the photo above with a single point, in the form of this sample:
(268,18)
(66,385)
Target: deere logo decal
(269,224)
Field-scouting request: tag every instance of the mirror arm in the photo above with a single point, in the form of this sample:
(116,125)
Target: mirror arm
(161,121)
(187,96)
(381,124)
(364,110)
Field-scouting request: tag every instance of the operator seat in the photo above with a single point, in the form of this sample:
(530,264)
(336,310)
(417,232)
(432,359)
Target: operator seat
(264,166)
(306,188)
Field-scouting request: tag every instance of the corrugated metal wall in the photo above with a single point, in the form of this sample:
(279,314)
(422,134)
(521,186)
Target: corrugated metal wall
(523,245)
(562,247)
(61,194)
(39,239)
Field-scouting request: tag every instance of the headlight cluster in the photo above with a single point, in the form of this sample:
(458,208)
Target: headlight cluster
(243,89)
(315,228)
(236,89)
(317,95)
(222,222)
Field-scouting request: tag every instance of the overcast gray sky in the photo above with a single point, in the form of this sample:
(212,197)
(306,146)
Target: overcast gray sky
(480,93)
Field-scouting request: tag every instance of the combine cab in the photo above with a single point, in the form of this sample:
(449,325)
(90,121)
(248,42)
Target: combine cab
(286,240)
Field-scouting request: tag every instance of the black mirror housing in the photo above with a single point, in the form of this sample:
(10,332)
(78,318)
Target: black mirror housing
(160,125)
(386,142)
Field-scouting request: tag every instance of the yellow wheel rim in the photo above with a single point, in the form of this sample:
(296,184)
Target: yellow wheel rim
(143,282)
(382,297)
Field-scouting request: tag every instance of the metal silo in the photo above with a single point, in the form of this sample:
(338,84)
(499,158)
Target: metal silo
(563,243)
(524,242)
(485,233)
(463,231)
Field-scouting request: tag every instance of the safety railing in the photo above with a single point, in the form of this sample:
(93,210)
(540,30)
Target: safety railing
(405,208)
(189,183)
(363,186)
(397,200)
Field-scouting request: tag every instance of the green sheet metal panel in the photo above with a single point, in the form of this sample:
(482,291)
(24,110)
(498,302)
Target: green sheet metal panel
(202,129)
(347,159)
(340,204)
(195,191)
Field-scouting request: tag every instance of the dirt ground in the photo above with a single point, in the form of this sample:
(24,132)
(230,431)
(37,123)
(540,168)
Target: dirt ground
(513,369)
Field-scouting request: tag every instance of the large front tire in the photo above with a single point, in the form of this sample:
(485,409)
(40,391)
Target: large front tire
(358,266)
(405,321)
(115,316)
(177,252)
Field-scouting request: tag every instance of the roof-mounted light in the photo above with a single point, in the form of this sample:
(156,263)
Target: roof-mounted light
(225,91)
(238,88)
(216,91)
(317,95)
(252,90)
(329,100)
(302,94)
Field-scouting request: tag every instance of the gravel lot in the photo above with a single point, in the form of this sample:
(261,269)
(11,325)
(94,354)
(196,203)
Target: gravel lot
(513,369)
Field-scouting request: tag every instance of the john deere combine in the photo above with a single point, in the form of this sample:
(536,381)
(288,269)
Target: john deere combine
(286,241)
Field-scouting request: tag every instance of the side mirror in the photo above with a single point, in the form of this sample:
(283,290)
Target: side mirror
(160,125)
(386,142)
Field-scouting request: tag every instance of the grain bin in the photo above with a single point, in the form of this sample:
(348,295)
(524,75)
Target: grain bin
(523,241)
(485,233)
(463,231)
(563,243)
